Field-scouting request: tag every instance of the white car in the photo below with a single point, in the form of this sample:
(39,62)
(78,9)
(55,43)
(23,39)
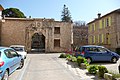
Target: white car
(20,49)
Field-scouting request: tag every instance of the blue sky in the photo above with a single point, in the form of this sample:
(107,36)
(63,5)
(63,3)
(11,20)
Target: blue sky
(84,10)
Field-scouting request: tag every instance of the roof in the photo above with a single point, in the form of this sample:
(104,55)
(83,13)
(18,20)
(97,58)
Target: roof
(115,11)
(3,48)
(92,46)
(17,46)
(1,8)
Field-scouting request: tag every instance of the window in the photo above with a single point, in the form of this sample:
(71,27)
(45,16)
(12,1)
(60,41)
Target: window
(91,49)
(18,48)
(110,21)
(90,27)
(103,23)
(10,53)
(90,39)
(93,39)
(81,49)
(57,43)
(102,38)
(13,53)
(98,39)
(100,23)
(56,30)
(107,38)
(100,49)
(107,22)
(93,27)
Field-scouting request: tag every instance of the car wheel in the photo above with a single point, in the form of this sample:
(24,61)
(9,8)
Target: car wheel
(89,60)
(6,76)
(21,64)
(114,59)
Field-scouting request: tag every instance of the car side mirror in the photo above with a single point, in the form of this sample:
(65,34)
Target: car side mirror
(18,55)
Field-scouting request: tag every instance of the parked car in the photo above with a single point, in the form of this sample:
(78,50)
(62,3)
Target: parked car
(97,53)
(10,60)
(20,50)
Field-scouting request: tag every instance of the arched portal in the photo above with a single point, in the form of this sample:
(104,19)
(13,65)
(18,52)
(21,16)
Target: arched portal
(38,41)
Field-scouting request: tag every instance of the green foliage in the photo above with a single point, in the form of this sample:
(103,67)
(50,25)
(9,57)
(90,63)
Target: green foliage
(69,57)
(80,60)
(115,75)
(101,71)
(92,69)
(13,12)
(62,55)
(66,17)
(85,61)
(74,59)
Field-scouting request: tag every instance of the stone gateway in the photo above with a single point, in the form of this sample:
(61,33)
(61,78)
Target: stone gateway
(36,33)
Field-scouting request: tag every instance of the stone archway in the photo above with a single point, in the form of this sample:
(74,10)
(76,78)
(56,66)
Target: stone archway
(38,41)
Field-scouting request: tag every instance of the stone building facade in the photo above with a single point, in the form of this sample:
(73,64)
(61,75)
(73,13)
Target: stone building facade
(48,34)
(105,30)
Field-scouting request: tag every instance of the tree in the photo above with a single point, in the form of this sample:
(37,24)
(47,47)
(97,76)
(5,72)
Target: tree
(13,12)
(66,17)
(79,23)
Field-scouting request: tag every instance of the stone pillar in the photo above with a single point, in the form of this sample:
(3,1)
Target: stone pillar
(46,41)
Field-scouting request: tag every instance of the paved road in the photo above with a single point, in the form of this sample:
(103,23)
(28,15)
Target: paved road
(43,67)
(50,67)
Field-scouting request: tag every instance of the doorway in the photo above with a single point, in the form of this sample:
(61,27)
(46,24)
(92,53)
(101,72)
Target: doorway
(38,42)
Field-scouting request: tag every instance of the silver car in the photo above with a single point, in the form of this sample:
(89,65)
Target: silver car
(20,49)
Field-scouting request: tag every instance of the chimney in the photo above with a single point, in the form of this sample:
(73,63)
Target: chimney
(29,16)
(99,15)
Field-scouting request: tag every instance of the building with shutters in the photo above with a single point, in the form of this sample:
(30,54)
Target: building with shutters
(105,30)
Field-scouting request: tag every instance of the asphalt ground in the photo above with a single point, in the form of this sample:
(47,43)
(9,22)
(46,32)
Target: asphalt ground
(41,66)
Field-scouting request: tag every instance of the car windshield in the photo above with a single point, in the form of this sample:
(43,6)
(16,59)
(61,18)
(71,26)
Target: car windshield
(18,48)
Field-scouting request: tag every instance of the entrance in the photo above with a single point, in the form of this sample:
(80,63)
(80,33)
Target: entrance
(38,42)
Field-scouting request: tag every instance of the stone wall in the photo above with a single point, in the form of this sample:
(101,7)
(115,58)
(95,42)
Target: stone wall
(21,30)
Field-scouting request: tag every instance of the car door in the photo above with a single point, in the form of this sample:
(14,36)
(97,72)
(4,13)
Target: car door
(9,60)
(104,54)
(93,53)
(15,58)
